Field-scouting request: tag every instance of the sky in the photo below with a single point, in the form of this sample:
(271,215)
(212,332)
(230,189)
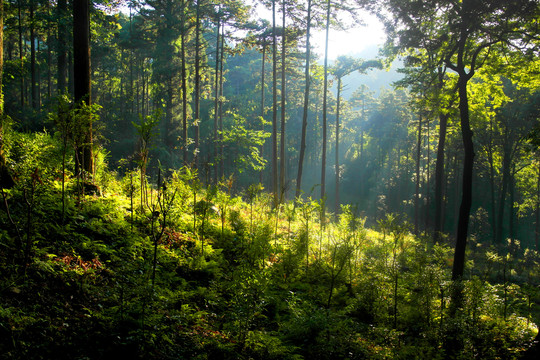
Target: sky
(351,42)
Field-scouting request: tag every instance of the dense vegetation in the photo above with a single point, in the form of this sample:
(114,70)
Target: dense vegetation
(181,179)
(193,272)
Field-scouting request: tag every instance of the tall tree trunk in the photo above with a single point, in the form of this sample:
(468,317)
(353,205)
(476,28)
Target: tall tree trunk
(49,53)
(263,61)
(216,100)
(6,181)
(511,220)
(61,14)
(220,108)
(537,225)
(283,103)
(33,79)
(466,191)
(275,189)
(1,73)
(81,73)
(417,192)
(325,110)
(337,203)
(506,178)
(427,186)
(21,51)
(197,83)
(306,105)
(184,82)
(492,182)
(169,136)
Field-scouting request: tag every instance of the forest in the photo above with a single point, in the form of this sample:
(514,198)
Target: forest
(192,180)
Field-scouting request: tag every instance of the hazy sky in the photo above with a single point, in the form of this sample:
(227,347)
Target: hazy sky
(350,42)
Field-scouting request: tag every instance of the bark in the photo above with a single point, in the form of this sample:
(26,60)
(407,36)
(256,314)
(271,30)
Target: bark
(6,181)
(466,191)
(262,101)
(184,82)
(325,110)
(417,192)
(306,105)
(33,71)
(197,83)
(337,203)
(537,211)
(505,182)
(427,184)
(81,73)
(61,10)
(274,107)
(216,99)
(21,52)
(492,182)
(220,109)
(283,103)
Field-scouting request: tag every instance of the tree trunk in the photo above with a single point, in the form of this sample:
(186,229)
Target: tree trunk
(197,83)
(21,52)
(49,54)
(61,13)
(274,108)
(466,191)
(216,100)
(337,201)
(220,109)
(33,71)
(262,102)
(1,72)
(511,220)
(502,195)
(427,184)
(81,74)
(417,192)
(492,182)
(283,103)
(184,82)
(6,181)
(537,225)
(325,110)
(306,105)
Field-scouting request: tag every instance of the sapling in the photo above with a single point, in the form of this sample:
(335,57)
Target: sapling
(159,210)
(252,192)
(204,207)
(146,129)
(225,199)
(30,202)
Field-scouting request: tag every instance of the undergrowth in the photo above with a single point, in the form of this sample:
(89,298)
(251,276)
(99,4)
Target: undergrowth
(166,268)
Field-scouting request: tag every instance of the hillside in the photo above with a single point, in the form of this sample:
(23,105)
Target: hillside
(166,268)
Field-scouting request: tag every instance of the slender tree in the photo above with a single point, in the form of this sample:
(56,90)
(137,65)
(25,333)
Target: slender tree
(325,97)
(283,104)
(307,77)
(62,35)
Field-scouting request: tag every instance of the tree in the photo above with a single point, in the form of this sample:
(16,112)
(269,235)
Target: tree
(462,34)
(6,180)
(61,10)
(344,66)
(302,150)
(82,80)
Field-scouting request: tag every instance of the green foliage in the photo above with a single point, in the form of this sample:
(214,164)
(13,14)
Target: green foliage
(198,273)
